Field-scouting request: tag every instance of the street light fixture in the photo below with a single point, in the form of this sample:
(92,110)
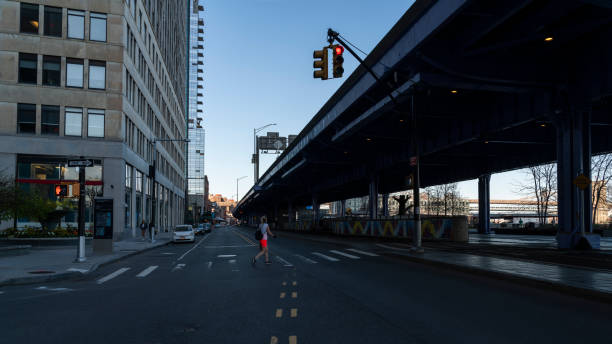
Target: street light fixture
(256,153)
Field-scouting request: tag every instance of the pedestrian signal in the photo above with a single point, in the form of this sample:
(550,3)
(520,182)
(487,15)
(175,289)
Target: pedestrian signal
(61,190)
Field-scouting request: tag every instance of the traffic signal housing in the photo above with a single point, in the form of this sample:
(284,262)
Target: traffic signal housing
(320,64)
(338,59)
(61,190)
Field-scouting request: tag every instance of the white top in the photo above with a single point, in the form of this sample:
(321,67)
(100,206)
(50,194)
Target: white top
(264,230)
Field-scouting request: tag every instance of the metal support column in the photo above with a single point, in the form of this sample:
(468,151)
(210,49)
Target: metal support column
(290,216)
(315,211)
(385,204)
(484,204)
(573,159)
(343,208)
(373,198)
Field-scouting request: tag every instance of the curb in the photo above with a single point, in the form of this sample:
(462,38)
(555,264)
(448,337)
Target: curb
(523,280)
(72,274)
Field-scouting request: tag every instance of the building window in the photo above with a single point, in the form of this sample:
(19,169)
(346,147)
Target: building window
(51,70)
(74,72)
(53,21)
(28,64)
(76,24)
(95,123)
(50,120)
(97,27)
(97,74)
(74,119)
(26,118)
(29,18)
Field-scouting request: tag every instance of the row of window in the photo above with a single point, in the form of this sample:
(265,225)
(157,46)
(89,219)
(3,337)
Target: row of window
(52,69)
(52,26)
(50,120)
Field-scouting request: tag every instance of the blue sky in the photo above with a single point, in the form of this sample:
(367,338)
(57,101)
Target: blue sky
(258,70)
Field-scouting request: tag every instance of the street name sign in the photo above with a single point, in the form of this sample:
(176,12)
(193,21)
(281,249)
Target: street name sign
(80,163)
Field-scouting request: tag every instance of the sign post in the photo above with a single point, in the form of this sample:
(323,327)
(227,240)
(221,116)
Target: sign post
(81,164)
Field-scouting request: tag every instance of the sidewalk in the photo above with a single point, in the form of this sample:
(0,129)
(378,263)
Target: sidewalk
(593,281)
(44,264)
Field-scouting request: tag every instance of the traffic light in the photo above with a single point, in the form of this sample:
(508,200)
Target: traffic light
(338,70)
(320,64)
(61,190)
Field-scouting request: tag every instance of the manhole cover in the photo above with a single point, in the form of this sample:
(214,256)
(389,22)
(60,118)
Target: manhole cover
(41,272)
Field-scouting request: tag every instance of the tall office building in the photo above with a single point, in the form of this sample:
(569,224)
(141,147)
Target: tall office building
(100,79)
(196,155)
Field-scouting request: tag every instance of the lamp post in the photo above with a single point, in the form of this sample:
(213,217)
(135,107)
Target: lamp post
(237,180)
(256,151)
(152,171)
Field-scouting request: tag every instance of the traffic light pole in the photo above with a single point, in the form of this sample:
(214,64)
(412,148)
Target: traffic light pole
(81,247)
(333,35)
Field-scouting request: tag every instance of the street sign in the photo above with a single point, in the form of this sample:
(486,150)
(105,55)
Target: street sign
(582,181)
(80,163)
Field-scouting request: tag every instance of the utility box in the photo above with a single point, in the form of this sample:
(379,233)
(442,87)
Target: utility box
(103,225)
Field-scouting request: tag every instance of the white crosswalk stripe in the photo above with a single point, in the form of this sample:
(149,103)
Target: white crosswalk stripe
(286,263)
(307,260)
(362,252)
(147,271)
(112,275)
(178,267)
(331,259)
(344,254)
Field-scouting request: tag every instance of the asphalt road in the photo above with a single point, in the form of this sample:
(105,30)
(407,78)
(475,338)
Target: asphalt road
(209,292)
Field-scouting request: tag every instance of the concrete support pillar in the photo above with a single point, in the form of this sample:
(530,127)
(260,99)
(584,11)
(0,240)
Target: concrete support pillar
(484,204)
(573,159)
(343,208)
(373,198)
(315,210)
(385,204)
(275,219)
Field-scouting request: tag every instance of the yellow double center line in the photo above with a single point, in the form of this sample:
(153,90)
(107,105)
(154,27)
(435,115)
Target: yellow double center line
(249,241)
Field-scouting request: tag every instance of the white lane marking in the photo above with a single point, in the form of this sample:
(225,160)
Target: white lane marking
(111,276)
(226,256)
(307,260)
(280,259)
(232,261)
(331,259)
(168,253)
(52,289)
(193,248)
(178,267)
(210,264)
(344,254)
(1,292)
(391,247)
(147,271)
(230,246)
(78,270)
(362,252)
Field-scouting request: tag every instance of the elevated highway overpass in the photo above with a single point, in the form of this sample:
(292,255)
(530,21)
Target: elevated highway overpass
(490,86)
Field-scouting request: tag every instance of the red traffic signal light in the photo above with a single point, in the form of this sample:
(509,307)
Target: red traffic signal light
(338,50)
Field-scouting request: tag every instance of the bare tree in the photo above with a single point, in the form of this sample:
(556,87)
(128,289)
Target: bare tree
(541,185)
(601,171)
(443,200)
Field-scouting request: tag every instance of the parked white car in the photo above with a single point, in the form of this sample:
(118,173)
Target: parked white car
(183,233)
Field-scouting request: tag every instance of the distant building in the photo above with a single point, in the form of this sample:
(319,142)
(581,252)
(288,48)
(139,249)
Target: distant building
(105,80)
(222,205)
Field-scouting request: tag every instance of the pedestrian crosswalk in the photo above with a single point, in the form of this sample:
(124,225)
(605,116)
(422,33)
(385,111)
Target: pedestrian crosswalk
(231,262)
